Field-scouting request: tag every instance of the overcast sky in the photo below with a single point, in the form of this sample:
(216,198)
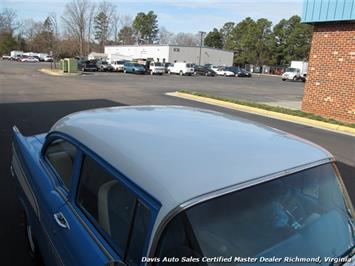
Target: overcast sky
(175,15)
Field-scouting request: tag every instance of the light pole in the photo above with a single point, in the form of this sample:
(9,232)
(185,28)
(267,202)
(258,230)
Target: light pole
(201,34)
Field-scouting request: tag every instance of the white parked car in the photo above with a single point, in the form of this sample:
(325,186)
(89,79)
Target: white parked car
(181,68)
(30,59)
(214,68)
(118,65)
(156,68)
(222,71)
(48,58)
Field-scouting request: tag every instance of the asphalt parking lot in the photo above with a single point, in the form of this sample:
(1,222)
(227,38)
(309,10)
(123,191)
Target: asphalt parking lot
(34,101)
(271,90)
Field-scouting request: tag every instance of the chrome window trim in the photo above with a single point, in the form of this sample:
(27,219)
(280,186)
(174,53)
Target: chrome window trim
(91,233)
(224,191)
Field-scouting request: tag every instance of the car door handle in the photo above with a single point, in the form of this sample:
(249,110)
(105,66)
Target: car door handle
(61,220)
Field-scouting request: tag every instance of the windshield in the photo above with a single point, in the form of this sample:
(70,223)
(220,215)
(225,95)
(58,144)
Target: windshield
(291,69)
(158,64)
(302,214)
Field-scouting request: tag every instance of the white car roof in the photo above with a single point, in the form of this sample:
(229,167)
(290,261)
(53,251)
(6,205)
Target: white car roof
(178,153)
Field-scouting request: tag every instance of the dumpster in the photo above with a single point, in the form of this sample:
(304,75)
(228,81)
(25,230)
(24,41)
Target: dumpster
(61,63)
(72,65)
(65,66)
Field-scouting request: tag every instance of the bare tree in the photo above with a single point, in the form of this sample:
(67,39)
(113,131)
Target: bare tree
(75,20)
(91,18)
(165,36)
(30,29)
(115,26)
(126,20)
(186,39)
(8,20)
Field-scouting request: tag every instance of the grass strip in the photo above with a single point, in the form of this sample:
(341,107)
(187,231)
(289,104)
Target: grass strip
(277,109)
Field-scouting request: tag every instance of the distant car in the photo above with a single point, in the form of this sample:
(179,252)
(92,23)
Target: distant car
(244,73)
(239,72)
(223,71)
(104,66)
(166,66)
(121,185)
(88,66)
(214,68)
(6,57)
(135,68)
(118,65)
(203,71)
(181,68)
(30,59)
(48,58)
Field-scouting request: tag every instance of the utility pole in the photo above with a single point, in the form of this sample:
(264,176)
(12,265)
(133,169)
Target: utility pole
(201,34)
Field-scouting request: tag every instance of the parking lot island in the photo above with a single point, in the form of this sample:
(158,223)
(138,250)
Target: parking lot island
(339,128)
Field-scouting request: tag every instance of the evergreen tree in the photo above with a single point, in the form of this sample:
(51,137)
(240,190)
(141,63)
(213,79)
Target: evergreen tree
(214,39)
(101,28)
(146,27)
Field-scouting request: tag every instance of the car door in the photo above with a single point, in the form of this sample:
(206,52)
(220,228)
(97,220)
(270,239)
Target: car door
(114,211)
(74,243)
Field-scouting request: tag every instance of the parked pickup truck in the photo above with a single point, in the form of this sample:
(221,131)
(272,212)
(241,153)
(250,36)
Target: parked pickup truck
(156,68)
(118,65)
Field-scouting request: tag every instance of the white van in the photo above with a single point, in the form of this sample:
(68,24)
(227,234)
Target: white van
(181,68)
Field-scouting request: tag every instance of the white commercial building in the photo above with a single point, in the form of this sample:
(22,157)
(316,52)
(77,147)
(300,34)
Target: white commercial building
(170,54)
(97,56)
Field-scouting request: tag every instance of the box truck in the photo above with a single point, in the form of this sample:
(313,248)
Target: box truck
(296,72)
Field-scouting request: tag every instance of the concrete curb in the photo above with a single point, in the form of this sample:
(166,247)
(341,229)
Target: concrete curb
(253,110)
(55,73)
(267,75)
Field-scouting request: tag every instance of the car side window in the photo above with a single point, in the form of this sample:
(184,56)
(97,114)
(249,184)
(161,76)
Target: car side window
(60,154)
(113,209)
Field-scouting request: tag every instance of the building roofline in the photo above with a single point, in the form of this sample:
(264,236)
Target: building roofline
(170,45)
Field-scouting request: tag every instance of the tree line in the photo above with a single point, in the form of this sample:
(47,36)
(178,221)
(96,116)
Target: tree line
(86,26)
(260,43)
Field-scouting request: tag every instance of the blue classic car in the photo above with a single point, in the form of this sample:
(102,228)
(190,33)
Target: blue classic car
(149,185)
(131,67)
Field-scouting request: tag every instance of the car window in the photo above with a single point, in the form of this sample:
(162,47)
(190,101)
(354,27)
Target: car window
(60,155)
(287,215)
(139,233)
(112,206)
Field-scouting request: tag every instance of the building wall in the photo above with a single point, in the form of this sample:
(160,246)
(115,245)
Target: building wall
(330,88)
(139,52)
(208,55)
(172,53)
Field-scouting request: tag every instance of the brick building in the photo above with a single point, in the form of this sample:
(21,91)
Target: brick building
(330,88)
